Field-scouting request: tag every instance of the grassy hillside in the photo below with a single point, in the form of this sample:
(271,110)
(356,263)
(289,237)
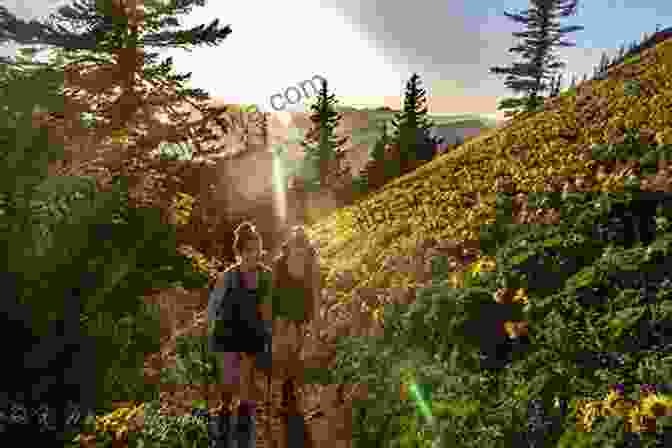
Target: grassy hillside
(564,294)
(535,150)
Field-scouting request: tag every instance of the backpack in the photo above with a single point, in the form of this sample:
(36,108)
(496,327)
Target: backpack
(236,326)
(222,313)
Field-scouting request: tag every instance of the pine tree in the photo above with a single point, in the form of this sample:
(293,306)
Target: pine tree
(383,156)
(412,127)
(602,66)
(542,35)
(374,173)
(323,150)
(555,90)
(100,46)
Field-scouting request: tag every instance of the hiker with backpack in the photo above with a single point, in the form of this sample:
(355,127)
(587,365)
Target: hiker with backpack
(241,320)
(239,331)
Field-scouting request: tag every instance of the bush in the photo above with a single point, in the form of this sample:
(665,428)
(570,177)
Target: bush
(195,363)
(569,92)
(76,264)
(632,59)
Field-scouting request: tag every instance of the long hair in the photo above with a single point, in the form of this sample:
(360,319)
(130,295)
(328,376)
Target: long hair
(283,279)
(245,233)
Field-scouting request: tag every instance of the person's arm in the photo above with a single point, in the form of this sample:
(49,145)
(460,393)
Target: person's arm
(265,308)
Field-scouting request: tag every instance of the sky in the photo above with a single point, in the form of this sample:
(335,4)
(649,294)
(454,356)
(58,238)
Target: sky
(368,50)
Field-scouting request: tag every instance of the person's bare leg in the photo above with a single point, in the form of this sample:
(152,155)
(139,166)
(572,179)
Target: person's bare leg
(229,385)
(249,389)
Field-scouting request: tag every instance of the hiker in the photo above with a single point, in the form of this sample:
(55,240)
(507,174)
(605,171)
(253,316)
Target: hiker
(296,290)
(239,322)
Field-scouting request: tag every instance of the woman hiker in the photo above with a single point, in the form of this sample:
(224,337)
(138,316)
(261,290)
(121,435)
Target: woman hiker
(296,290)
(239,323)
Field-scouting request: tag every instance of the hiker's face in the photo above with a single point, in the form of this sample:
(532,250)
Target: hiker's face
(250,253)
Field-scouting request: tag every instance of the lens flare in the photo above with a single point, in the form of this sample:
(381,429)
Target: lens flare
(421,401)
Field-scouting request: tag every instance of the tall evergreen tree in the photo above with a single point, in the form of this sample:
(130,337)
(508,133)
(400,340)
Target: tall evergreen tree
(557,83)
(100,46)
(323,150)
(412,126)
(542,35)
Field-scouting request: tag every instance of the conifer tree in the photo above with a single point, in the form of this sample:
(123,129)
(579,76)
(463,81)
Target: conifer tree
(323,150)
(378,151)
(412,127)
(374,174)
(543,33)
(101,46)
(557,82)
(387,166)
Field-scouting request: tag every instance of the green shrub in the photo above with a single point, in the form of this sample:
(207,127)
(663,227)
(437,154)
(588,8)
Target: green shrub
(195,363)
(631,87)
(569,92)
(632,59)
(76,264)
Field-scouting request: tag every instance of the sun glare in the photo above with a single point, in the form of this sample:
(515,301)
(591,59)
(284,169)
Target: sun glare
(279,188)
